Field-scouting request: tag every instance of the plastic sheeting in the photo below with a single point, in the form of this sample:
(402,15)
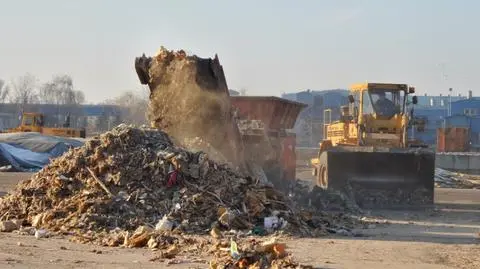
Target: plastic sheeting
(33,151)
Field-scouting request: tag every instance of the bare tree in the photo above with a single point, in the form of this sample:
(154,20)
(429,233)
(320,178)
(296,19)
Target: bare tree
(47,93)
(60,91)
(243,91)
(79,97)
(23,90)
(136,104)
(3,91)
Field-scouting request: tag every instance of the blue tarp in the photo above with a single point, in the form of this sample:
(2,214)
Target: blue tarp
(23,159)
(32,151)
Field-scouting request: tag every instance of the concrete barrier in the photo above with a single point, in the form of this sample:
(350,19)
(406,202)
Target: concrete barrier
(459,161)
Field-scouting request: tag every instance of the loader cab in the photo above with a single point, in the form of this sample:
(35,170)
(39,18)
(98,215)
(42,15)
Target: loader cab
(32,122)
(380,100)
(380,113)
(383,103)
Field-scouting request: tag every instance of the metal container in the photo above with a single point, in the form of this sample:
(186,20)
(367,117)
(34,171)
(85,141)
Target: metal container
(289,157)
(276,113)
(453,139)
(278,148)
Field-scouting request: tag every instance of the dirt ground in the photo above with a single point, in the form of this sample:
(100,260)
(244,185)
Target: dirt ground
(443,237)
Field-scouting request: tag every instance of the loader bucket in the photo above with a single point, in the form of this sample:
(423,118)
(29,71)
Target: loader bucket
(388,178)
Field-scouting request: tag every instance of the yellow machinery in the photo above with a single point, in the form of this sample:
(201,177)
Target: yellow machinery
(34,122)
(367,152)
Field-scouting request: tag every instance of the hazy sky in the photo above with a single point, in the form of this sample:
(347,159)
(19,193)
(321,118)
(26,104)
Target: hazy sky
(267,47)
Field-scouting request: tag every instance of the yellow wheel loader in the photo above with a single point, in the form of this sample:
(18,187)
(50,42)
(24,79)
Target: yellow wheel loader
(35,122)
(367,153)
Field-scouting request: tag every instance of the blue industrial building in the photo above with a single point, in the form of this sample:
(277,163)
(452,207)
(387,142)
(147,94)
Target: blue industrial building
(438,112)
(434,118)
(466,114)
(439,101)
(469,107)
(310,123)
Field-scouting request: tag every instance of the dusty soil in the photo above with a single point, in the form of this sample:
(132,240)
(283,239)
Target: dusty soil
(443,237)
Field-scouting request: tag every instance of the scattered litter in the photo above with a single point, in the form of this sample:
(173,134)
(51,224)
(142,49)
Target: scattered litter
(41,233)
(447,179)
(164,224)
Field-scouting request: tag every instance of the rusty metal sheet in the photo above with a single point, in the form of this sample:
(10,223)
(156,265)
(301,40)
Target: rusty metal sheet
(453,139)
(289,158)
(276,113)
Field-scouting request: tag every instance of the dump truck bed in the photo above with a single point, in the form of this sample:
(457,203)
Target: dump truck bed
(275,112)
(267,143)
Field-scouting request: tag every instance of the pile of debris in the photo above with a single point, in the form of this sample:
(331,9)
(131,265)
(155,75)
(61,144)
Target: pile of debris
(134,187)
(447,179)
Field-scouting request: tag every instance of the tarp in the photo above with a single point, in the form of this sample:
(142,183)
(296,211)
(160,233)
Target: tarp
(32,151)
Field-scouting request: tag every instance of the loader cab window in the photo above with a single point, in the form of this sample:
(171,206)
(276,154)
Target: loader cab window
(28,120)
(367,104)
(386,103)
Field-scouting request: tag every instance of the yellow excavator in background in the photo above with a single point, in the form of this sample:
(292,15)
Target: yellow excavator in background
(367,152)
(34,122)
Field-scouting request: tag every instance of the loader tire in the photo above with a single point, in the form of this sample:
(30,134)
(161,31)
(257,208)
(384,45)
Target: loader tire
(322,176)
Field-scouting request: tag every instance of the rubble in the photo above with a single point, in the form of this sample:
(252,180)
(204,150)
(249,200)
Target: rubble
(251,253)
(134,187)
(447,179)
(8,226)
(307,195)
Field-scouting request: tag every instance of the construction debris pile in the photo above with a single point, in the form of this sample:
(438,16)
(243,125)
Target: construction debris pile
(134,187)
(447,179)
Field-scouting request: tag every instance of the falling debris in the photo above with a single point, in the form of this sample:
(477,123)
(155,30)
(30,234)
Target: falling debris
(189,98)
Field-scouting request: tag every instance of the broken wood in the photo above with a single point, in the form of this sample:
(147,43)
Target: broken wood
(100,183)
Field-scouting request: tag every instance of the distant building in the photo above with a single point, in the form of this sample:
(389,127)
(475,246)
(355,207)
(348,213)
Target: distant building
(439,101)
(469,107)
(434,118)
(310,123)
(439,113)
(466,114)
